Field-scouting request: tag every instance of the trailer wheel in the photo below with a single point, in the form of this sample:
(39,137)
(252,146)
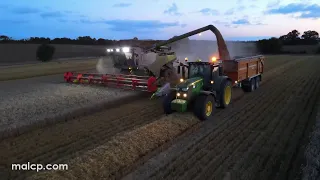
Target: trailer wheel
(257,82)
(252,84)
(166,104)
(204,107)
(249,86)
(225,94)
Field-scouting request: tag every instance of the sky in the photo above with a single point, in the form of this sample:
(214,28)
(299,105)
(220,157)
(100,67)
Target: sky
(157,19)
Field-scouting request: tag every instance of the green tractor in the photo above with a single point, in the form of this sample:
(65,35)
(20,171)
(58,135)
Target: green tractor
(204,89)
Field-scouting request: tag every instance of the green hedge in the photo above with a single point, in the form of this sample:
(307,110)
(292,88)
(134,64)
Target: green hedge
(45,52)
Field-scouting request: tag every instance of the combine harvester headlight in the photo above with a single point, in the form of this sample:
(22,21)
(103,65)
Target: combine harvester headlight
(126,49)
(118,50)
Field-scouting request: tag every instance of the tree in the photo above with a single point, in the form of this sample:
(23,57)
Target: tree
(293,35)
(310,35)
(45,52)
(4,38)
(284,38)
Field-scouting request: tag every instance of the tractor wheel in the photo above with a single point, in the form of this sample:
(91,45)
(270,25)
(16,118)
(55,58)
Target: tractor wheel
(225,95)
(204,107)
(257,82)
(166,104)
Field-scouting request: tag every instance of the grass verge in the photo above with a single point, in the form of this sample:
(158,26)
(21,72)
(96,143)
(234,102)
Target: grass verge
(44,69)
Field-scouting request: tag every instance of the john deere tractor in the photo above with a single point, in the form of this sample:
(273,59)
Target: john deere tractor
(204,89)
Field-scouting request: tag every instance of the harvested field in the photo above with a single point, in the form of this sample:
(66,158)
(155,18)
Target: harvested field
(123,150)
(26,53)
(311,167)
(44,100)
(44,69)
(257,137)
(250,140)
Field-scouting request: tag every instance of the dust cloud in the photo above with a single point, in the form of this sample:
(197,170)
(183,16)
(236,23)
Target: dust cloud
(105,65)
(148,59)
(204,49)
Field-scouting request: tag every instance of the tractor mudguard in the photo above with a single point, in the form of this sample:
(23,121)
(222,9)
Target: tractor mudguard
(219,81)
(209,93)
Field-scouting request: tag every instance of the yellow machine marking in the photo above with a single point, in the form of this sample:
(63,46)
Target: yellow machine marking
(208,108)
(227,95)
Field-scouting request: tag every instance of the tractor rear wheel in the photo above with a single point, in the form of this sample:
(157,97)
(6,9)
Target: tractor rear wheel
(225,94)
(204,107)
(166,104)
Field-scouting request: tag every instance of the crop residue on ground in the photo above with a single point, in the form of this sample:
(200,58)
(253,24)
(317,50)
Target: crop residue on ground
(123,150)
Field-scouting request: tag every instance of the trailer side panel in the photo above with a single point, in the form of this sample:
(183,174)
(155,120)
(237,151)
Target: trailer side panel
(243,68)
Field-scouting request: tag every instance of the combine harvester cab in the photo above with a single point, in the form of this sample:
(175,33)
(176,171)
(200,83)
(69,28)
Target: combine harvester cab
(124,58)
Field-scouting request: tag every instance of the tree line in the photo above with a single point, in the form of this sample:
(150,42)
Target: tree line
(274,45)
(82,40)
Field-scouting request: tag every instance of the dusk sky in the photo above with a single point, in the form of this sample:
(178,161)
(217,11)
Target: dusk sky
(156,19)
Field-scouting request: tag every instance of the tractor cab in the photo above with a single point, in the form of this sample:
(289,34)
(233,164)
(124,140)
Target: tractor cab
(207,71)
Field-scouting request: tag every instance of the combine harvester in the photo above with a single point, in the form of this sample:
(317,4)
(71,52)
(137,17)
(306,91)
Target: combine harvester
(202,85)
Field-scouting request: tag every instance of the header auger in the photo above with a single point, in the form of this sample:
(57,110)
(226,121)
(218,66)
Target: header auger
(200,85)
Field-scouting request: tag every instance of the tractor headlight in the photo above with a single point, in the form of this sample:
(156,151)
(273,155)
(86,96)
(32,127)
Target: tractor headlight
(185,95)
(126,49)
(118,50)
(181,80)
(108,50)
(111,50)
(185,89)
(178,94)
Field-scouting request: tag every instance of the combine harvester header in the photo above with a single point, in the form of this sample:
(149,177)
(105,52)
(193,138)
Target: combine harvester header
(130,82)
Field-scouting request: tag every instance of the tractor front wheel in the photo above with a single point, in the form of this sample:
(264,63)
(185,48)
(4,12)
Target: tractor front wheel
(204,107)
